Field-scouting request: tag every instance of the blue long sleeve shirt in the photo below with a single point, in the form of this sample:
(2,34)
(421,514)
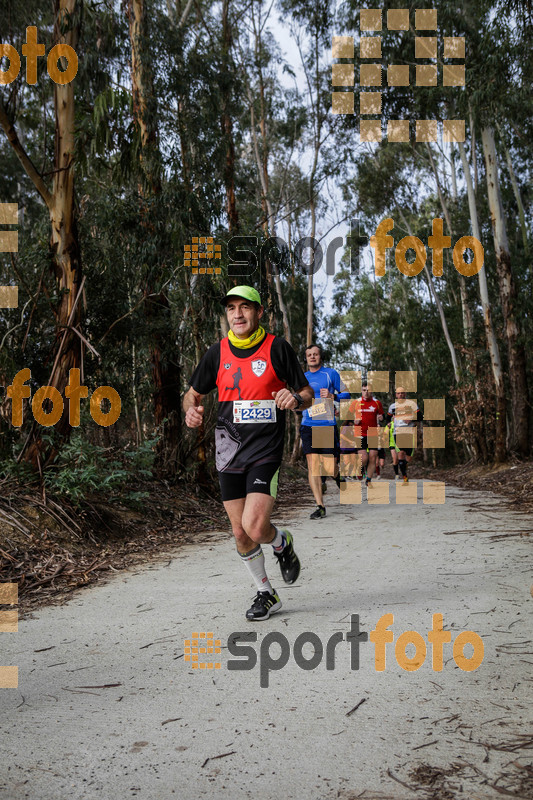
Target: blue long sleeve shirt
(324,378)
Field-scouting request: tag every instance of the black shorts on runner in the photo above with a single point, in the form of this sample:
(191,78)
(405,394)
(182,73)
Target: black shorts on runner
(306,435)
(407,450)
(262,478)
(347,450)
(364,445)
(381,452)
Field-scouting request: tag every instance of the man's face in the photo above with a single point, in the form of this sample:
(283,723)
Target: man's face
(366,393)
(313,357)
(243,316)
(400,397)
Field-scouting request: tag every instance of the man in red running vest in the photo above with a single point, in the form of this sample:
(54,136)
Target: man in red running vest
(368,413)
(251,370)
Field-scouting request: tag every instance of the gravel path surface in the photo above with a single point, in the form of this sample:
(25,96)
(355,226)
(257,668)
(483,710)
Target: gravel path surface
(107,706)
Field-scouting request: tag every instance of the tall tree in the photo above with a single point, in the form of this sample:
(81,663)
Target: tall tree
(226,119)
(312,32)
(507,286)
(64,244)
(262,144)
(165,365)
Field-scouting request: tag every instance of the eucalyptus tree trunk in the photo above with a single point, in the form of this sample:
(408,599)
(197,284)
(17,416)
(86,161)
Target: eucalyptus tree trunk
(515,347)
(226,122)
(310,300)
(518,198)
(516,192)
(442,316)
(270,223)
(317,131)
(500,451)
(262,157)
(473,151)
(65,258)
(201,454)
(453,171)
(468,325)
(453,355)
(165,369)
(263,174)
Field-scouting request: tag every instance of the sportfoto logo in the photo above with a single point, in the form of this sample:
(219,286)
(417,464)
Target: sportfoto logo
(248,657)
(370,74)
(246,254)
(202,247)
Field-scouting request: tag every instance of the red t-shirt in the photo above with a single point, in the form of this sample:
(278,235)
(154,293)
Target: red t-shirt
(367,411)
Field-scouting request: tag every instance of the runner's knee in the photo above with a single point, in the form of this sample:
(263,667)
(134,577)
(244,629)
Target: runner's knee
(255,527)
(241,538)
(256,532)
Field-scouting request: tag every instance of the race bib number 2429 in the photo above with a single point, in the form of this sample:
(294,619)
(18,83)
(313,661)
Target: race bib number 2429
(254,411)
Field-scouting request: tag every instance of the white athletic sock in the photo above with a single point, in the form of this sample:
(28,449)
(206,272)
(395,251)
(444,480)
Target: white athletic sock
(278,542)
(255,561)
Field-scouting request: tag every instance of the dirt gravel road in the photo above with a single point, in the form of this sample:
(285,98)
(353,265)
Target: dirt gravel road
(107,706)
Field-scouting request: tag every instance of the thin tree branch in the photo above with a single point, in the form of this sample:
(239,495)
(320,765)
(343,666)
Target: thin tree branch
(82,337)
(23,157)
(18,325)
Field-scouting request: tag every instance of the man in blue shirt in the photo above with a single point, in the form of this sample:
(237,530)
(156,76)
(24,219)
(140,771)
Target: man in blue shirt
(326,384)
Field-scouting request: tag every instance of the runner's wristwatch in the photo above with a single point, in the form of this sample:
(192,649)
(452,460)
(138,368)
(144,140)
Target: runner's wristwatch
(299,399)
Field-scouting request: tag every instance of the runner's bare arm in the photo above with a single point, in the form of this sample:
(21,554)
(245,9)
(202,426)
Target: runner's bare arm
(307,395)
(194,412)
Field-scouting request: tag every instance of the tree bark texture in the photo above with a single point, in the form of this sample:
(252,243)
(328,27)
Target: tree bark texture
(507,287)
(64,245)
(500,451)
(226,123)
(165,366)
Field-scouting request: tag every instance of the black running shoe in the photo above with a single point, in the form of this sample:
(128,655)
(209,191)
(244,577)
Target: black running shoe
(263,606)
(319,513)
(289,563)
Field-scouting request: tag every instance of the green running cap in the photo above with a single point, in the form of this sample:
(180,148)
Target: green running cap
(247,292)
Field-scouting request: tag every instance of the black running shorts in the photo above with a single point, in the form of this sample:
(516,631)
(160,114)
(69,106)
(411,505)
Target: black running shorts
(262,479)
(306,435)
(364,445)
(407,450)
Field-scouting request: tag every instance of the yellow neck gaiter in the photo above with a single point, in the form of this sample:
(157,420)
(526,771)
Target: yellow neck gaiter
(243,344)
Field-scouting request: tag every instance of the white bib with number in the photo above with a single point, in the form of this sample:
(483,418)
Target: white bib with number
(254,411)
(317,410)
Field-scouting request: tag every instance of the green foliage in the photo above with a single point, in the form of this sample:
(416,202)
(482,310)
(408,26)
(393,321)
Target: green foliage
(84,469)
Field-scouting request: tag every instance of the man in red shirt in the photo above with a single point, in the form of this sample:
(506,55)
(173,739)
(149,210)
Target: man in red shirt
(251,371)
(368,413)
